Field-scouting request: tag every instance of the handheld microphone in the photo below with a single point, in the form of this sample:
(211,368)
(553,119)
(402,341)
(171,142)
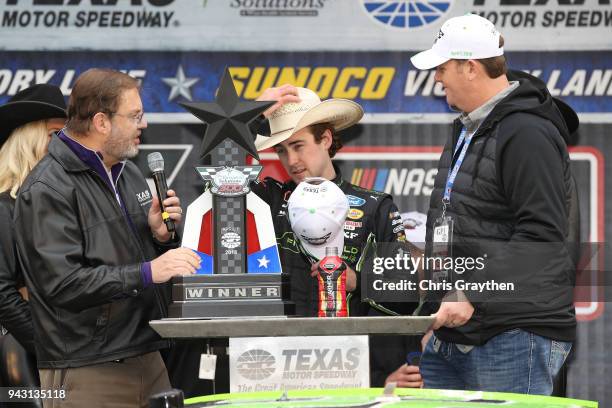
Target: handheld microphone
(156,165)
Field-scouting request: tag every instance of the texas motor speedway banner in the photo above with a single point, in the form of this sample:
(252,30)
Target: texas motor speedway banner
(298,363)
(287,25)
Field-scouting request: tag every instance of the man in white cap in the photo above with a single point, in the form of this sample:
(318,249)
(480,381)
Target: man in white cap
(303,132)
(502,191)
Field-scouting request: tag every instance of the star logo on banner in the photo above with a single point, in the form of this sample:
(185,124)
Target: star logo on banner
(263,262)
(180,85)
(227,118)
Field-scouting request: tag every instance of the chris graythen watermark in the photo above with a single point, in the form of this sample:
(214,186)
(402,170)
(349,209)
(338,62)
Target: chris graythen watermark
(407,265)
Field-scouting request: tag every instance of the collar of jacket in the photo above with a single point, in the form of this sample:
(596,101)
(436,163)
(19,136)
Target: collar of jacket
(65,156)
(74,157)
(338,179)
(474,119)
(524,98)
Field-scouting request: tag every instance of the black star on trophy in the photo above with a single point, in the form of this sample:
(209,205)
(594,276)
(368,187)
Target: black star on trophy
(229,226)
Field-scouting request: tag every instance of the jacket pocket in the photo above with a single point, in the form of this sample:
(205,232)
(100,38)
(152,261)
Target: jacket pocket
(99,333)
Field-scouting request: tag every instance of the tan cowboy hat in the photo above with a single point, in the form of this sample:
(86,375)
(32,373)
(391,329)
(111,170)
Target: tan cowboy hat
(292,117)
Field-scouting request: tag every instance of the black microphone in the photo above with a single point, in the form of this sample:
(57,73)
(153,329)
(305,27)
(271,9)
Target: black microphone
(156,165)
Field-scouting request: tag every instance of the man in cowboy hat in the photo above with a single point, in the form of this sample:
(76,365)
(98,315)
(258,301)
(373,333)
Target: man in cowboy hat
(94,251)
(304,134)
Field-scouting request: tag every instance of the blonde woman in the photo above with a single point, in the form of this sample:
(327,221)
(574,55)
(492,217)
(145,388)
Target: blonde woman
(27,122)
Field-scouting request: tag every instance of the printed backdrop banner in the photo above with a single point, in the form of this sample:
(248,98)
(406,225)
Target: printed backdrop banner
(385,83)
(293,25)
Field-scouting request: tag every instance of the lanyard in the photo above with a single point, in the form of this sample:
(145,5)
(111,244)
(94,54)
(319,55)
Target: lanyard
(464,139)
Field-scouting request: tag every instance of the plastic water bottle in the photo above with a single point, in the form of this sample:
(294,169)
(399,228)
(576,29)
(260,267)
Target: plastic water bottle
(332,285)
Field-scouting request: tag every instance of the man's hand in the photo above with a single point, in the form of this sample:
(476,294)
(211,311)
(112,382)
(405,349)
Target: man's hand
(282,95)
(407,376)
(351,276)
(172,204)
(175,262)
(453,314)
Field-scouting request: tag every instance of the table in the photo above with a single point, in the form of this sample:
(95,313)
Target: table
(291,326)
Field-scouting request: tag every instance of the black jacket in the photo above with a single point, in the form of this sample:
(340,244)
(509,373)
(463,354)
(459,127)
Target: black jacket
(377,214)
(14,311)
(511,201)
(81,257)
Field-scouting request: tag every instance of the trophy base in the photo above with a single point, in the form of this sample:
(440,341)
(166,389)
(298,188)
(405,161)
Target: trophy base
(230,295)
(230,309)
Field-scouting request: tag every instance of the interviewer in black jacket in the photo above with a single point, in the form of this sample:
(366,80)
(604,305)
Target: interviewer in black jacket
(94,248)
(27,121)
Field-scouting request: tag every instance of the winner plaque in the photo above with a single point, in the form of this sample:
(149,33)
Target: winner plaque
(229,226)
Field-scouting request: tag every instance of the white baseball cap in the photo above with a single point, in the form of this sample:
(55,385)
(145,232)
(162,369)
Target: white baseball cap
(317,211)
(292,117)
(465,37)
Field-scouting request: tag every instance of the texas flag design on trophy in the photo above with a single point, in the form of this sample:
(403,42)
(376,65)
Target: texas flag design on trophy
(262,252)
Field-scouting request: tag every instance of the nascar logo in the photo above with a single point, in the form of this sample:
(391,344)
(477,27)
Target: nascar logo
(396,181)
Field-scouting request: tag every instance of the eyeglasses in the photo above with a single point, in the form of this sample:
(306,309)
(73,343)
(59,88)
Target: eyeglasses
(137,119)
